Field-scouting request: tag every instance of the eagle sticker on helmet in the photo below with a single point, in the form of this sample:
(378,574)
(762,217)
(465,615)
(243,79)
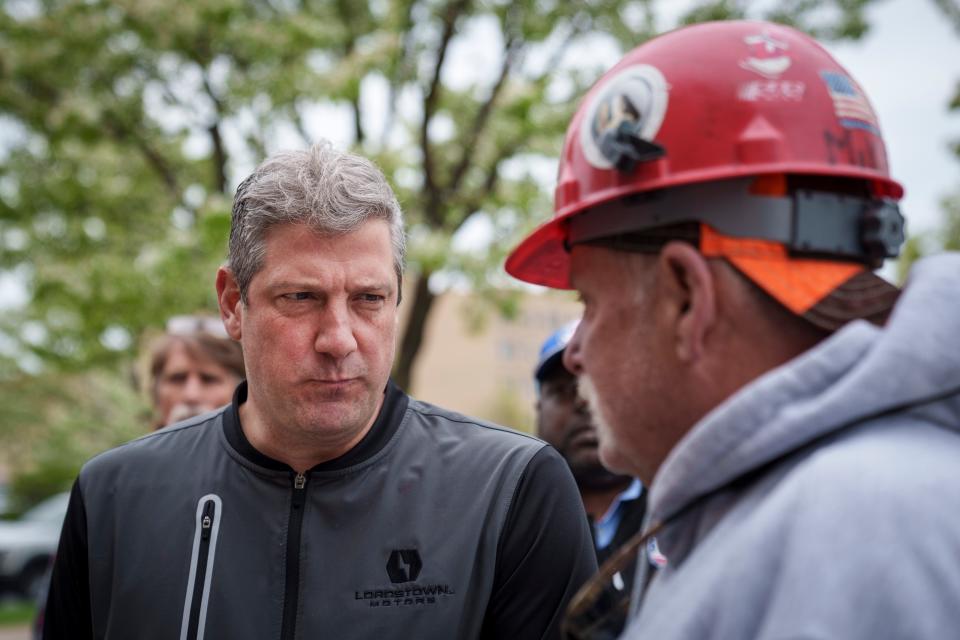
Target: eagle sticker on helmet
(767,56)
(627,111)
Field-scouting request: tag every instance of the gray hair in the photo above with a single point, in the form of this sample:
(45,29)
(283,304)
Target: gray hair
(332,192)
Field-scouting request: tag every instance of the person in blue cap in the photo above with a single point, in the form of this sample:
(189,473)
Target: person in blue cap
(614,503)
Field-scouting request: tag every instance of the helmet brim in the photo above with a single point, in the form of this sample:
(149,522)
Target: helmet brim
(543,257)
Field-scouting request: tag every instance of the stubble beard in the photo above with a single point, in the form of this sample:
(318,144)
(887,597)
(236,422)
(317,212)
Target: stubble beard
(605,433)
(337,416)
(303,421)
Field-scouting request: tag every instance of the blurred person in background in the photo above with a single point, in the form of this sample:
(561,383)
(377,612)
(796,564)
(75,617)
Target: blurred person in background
(614,503)
(794,416)
(323,501)
(193,368)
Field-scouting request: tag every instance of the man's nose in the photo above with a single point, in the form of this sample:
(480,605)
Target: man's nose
(571,354)
(335,335)
(193,389)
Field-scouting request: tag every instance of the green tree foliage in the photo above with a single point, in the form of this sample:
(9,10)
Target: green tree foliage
(52,423)
(125,125)
(947,236)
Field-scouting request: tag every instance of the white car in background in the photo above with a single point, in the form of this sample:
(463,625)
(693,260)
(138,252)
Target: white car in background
(28,544)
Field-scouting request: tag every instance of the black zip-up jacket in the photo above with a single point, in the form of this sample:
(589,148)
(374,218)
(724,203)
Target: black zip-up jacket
(434,526)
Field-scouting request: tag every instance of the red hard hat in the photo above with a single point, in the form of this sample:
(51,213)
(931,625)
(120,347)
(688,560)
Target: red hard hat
(702,104)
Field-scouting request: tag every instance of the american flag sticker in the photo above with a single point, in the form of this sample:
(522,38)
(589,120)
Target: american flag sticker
(851,106)
(657,559)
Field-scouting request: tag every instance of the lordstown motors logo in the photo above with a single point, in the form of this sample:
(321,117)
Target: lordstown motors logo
(404,565)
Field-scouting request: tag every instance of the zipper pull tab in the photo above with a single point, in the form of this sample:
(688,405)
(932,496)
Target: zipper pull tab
(299,484)
(207,521)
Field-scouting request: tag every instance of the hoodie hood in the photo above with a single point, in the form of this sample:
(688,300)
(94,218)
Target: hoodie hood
(862,371)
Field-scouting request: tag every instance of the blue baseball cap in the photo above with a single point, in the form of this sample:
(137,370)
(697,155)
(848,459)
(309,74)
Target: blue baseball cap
(552,350)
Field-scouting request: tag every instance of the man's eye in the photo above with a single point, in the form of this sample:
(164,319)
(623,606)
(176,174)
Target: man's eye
(371,298)
(298,295)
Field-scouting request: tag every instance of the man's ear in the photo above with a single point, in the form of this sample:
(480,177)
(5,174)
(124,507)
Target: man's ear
(688,295)
(231,305)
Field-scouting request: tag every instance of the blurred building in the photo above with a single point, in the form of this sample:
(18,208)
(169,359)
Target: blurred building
(487,371)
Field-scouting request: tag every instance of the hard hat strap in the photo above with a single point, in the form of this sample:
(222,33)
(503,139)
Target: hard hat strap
(806,221)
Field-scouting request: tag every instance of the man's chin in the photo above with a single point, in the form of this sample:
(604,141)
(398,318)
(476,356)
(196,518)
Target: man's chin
(330,414)
(323,413)
(184,411)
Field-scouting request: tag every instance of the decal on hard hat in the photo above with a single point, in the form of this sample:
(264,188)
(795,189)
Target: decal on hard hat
(632,102)
(768,56)
(772,91)
(851,106)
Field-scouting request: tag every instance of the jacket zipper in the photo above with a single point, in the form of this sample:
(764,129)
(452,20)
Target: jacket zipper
(201,564)
(291,591)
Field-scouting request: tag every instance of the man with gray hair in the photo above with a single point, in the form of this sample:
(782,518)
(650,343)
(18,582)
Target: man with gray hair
(323,501)
(794,416)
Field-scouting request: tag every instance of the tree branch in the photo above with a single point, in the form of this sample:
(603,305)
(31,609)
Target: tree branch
(578,27)
(422,300)
(256,142)
(298,124)
(349,46)
(216,139)
(396,77)
(357,121)
(432,209)
(510,50)
(219,158)
(475,203)
(121,131)
(951,9)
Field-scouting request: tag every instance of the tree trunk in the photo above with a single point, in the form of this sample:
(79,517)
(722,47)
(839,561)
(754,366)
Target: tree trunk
(219,159)
(421,302)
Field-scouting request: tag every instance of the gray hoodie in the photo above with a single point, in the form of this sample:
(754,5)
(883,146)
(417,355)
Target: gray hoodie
(821,500)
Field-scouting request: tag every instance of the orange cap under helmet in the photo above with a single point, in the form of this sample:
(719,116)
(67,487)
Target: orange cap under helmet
(755,132)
